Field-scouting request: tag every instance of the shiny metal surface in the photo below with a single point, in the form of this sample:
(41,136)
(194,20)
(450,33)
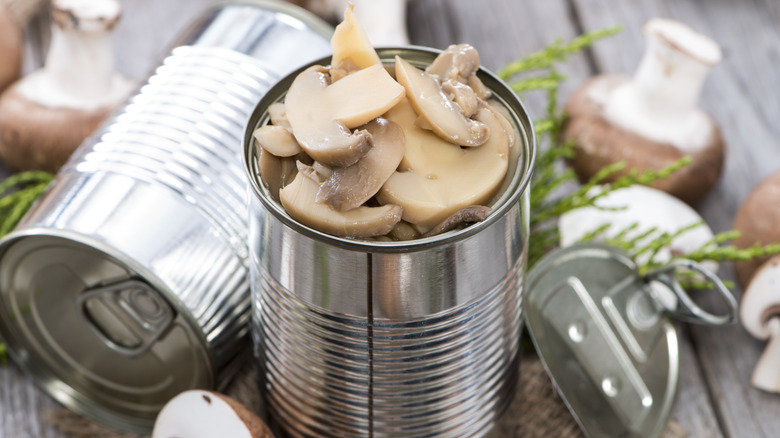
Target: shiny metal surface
(128,282)
(404,339)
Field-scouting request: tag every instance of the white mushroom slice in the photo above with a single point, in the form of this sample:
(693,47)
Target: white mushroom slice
(298,199)
(759,313)
(204,414)
(310,172)
(458,62)
(275,172)
(440,179)
(444,116)
(277,140)
(350,187)
(322,114)
(277,111)
(463,95)
(351,47)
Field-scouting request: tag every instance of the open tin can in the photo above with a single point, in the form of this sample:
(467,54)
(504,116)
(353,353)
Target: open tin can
(414,338)
(128,282)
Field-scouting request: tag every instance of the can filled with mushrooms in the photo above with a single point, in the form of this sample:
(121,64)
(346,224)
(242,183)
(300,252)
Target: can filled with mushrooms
(128,282)
(381,336)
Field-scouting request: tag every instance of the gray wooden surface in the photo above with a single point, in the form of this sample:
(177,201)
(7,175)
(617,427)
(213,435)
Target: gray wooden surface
(715,398)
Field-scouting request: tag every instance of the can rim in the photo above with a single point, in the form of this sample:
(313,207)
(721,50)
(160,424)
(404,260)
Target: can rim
(518,185)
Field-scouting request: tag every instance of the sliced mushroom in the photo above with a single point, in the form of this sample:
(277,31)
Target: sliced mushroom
(351,49)
(468,215)
(349,187)
(444,116)
(275,172)
(321,114)
(439,179)
(203,414)
(298,199)
(458,62)
(278,114)
(310,172)
(277,140)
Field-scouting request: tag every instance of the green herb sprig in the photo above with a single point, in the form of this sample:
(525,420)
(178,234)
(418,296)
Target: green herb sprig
(17,194)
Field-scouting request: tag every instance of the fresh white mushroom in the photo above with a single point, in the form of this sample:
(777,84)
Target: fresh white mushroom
(321,114)
(436,178)
(647,208)
(299,200)
(350,187)
(653,119)
(205,414)
(760,315)
(445,117)
(47,114)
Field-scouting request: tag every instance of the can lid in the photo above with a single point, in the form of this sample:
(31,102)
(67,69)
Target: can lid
(100,336)
(604,334)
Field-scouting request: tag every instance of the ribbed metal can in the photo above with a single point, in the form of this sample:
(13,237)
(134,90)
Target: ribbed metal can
(390,339)
(129,281)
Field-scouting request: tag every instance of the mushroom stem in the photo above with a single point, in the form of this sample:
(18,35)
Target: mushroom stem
(79,67)
(661,100)
(766,375)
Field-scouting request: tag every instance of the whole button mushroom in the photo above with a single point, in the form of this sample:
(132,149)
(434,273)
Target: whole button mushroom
(758,223)
(652,120)
(47,114)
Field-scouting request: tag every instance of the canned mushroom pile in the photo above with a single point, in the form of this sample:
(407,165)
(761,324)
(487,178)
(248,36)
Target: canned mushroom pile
(354,152)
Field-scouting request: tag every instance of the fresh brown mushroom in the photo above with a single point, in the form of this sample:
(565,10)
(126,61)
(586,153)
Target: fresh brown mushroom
(321,114)
(758,223)
(437,178)
(299,200)
(652,120)
(206,414)
(441,114)
(47,114)
(760,315)
(350,187)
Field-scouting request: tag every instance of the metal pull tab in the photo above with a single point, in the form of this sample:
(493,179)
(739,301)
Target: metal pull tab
(685,309)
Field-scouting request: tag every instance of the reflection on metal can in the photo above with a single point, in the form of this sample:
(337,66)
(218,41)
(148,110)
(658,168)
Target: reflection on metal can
(416,338)
(128,282)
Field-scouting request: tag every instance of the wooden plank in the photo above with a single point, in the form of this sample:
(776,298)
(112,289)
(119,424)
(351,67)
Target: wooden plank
(736,95)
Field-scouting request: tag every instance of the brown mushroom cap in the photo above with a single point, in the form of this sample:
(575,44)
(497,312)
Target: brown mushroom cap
(758,221)
(10,49)
(34,136)
(599,143)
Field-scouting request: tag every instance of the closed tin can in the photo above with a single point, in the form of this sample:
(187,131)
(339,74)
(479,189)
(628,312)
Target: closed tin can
(128,282)
(416,338)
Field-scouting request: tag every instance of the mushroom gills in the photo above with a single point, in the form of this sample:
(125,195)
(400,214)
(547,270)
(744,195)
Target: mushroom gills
(444,116)
(321,114)
(298,199)
(350,187)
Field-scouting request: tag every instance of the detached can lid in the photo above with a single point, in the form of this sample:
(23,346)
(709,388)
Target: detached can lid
(605,336)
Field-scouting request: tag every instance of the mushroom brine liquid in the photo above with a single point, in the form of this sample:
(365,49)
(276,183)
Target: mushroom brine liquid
(362,150)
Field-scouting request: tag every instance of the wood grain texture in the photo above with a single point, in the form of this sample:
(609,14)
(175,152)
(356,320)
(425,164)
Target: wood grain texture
(741,94)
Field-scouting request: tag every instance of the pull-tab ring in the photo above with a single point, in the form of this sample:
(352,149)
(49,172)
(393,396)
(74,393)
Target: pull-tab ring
(687,310)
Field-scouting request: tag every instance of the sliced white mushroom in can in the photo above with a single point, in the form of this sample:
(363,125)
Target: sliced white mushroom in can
(298,199)
(277,140)
(350,187)
(321,114)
